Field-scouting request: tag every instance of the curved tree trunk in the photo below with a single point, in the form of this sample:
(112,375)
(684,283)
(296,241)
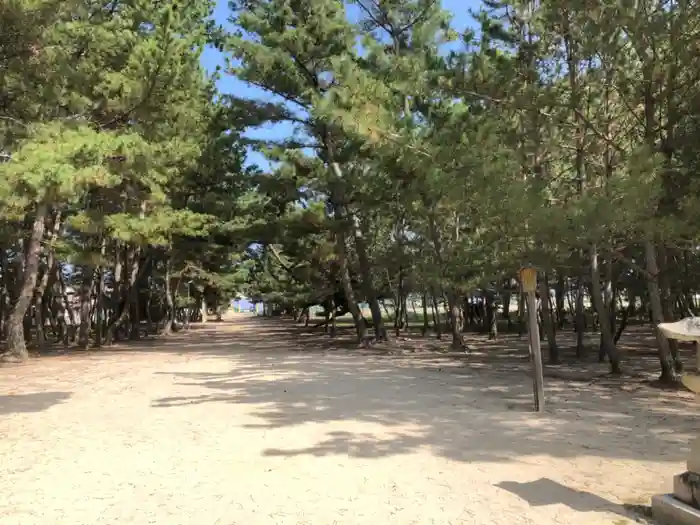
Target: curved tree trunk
(16,345)
(345,280)
(380,331)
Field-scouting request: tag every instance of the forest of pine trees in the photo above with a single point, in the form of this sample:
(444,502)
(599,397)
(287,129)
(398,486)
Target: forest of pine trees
(424,161)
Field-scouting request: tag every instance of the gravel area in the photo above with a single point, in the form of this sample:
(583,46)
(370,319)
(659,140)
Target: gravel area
(241,423)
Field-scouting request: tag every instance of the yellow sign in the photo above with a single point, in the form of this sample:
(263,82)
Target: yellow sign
(528,279)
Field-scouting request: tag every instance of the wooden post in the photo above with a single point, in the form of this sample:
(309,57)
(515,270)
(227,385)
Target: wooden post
(528,281)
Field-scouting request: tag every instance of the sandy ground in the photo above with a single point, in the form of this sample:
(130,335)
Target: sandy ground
(240,423)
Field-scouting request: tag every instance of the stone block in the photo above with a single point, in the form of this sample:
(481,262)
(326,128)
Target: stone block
(693,462)
(668,510)
(683,489)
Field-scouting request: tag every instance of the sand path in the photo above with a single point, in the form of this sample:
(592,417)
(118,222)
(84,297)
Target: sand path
(236,423)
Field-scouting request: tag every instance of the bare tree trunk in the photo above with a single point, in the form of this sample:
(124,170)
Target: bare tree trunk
(16,345)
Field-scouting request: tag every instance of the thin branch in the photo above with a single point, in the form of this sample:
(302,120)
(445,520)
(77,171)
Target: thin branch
(634,266)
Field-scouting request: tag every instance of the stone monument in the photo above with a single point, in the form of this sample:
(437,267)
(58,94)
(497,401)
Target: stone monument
(683,506)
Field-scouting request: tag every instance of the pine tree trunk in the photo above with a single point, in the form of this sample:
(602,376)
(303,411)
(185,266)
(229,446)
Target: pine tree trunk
(334,327)
(203,310)
(453,306)
(401,304)
(380,332)
(667,304)
(86,289)
(521,314)
(135,315)
(169,300)
(16,345)
(606,335)
(425,314)
(3,290)
(609,293)
(327,315)
(342,247)
(400,291)
(436,315)
(580,319)
(123,315)
(626,313)
(491,317)
(39,318)
(346,282)
(119,289)
(100,299)
(68,311)
(506,309)
(547,321)
(657,315)
(559,293)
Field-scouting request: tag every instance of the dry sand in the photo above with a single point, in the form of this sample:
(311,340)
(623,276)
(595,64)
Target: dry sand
(240,423)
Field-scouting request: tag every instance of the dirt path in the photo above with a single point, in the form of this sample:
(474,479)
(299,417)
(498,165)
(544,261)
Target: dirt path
(237,424)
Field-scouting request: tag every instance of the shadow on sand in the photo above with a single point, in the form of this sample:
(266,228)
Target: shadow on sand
(475,408)
(544,491)
(38,402)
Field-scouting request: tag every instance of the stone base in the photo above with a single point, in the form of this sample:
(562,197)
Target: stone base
(668,510)
(693,462)
(683,489)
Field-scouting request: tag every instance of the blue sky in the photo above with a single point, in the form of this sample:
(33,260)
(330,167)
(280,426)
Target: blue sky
(228,84)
